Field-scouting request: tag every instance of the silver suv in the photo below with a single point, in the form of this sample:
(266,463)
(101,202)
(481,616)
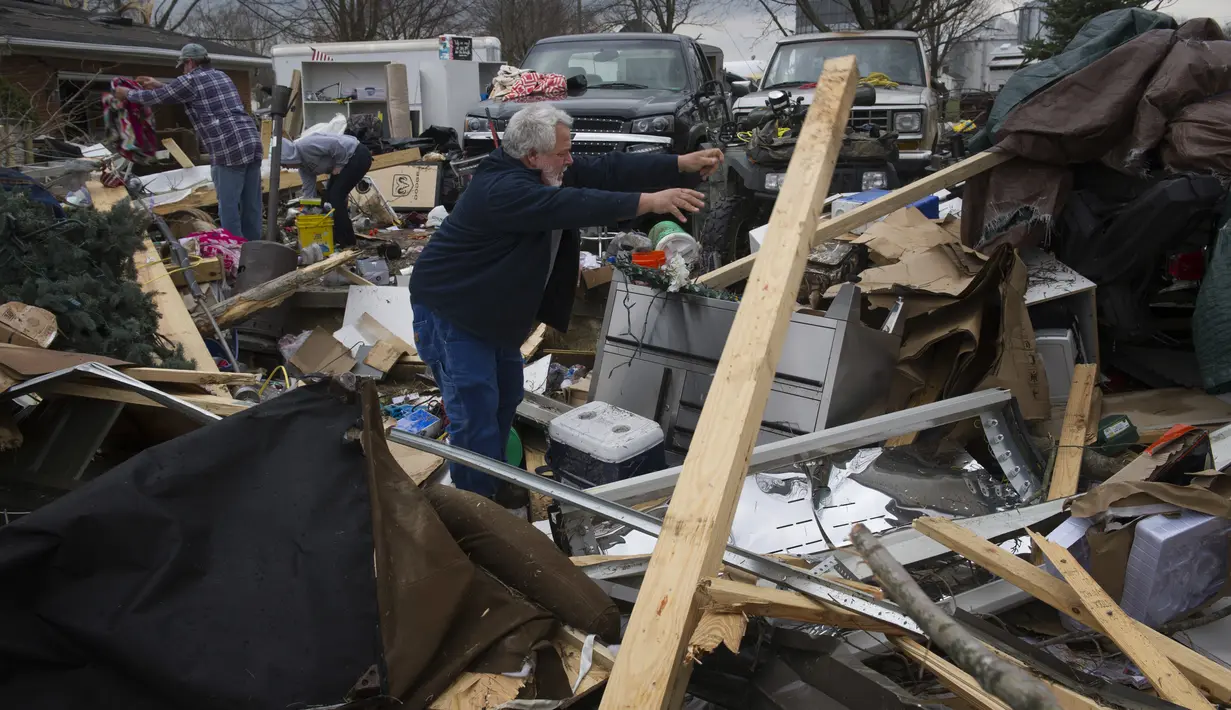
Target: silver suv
(912,109)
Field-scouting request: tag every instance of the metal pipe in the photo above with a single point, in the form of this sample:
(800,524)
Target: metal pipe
(278,109)
(763,567)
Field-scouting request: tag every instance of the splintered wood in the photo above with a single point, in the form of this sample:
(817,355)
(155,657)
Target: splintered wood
(650,671)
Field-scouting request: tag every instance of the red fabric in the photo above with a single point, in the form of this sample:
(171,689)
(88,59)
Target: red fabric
(222,244)
(535,84)
(129,126)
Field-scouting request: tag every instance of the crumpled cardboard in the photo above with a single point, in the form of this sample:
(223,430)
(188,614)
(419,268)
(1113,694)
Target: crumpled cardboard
(984,339)
(1109,552)
(902,234)
(946,269)
(1209,493)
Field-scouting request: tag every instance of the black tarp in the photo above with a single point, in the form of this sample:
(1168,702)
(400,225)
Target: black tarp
(230,567)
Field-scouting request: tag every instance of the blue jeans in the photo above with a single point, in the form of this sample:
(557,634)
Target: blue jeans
(481,385)
(239,198)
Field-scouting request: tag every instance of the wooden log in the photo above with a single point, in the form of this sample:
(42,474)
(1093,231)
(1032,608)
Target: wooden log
(739,270)
(650,668)
(1122,629)
(1209,676)
(207,196)
(1067,470)
(178,153)
(271,293)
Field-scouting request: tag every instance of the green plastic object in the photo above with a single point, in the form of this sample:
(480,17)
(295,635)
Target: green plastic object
(664,229)
(512,450)
(1115,434)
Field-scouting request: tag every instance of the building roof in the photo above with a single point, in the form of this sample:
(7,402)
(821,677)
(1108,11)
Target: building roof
(36,25)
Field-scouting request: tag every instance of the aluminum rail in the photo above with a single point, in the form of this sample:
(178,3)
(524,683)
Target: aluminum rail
(821,443)
(763,567)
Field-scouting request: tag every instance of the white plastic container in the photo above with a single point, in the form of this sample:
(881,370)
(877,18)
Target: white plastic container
(1177,563)
(600,443)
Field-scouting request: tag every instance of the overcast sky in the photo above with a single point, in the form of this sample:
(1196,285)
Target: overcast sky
(743,34)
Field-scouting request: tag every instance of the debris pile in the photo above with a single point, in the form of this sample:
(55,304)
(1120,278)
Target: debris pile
(944,445)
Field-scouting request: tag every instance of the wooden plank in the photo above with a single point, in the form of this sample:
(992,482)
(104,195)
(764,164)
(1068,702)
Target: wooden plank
(739,270)
(1073,436)
(953,678)
(174,322)
(649,668)
(191,377)
(1210,677)
(267,135)
(205,270)
(534,342)
(1122,629)
(178,153)
(354,278)
(222,406)
(293,125)
(478,691)
(724,595)
(207,196)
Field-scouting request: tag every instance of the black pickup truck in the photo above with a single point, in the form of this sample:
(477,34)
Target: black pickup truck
(645,93)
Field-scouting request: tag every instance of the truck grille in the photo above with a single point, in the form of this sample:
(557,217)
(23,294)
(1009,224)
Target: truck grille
(864,116)
(594,147)
(597,124)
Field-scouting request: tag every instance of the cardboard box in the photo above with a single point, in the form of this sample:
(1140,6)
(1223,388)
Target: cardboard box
(408,186)
(30,326)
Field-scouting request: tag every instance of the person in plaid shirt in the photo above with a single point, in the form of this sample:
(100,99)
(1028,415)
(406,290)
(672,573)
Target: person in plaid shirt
(223,126)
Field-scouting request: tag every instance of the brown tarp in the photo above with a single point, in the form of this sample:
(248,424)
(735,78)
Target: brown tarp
(441,613)
(1161,91)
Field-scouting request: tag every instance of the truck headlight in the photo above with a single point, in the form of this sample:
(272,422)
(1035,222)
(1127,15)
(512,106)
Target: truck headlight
(874,180)
(907,121)
(476,123)
(660,125)
(773,181)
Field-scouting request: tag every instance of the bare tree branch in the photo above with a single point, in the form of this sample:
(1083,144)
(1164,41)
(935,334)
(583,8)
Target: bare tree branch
(1000,678)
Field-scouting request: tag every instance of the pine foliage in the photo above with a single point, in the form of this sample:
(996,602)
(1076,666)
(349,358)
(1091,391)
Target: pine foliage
(81,269)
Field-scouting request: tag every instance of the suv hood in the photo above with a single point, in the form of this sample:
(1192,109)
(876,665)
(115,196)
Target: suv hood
(621,103)
(901,96)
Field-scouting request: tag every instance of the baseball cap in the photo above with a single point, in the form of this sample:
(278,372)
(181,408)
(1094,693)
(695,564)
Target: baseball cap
(192,51)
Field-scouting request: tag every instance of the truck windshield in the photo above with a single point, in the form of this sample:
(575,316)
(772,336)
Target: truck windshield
(801,63)
(627,64)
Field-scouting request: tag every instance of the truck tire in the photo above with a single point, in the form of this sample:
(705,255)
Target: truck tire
(724,236)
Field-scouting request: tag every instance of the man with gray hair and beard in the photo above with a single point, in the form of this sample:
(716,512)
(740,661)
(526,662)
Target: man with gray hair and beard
(508,256)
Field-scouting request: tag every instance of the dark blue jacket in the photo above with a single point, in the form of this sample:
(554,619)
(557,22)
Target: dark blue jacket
(485,269)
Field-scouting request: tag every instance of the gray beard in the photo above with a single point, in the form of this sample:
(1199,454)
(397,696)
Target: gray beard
(553,179)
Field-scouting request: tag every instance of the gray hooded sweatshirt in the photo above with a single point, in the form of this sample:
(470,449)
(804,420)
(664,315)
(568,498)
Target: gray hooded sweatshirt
(317,154)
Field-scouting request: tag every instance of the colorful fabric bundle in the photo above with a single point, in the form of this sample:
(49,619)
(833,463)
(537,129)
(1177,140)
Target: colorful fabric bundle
(533,84)
(129,127)
(222,244)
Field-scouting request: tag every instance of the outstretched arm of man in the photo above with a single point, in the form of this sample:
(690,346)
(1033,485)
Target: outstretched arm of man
(629,172)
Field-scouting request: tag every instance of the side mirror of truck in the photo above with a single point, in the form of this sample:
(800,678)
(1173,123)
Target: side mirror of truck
(740,89)
(865,96)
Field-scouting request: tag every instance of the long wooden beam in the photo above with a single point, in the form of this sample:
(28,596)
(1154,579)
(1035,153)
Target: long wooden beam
(271,293)
(1077,417)
(1210,677)
(208,196)
(651,663)
(724,595)
(739,269)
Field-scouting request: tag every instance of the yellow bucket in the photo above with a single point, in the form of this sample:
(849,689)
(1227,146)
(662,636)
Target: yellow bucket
(315,229)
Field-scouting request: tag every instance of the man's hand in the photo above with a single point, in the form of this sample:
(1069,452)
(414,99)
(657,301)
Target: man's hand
(148,82)
(701,161)
(121,93)
(675,201)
